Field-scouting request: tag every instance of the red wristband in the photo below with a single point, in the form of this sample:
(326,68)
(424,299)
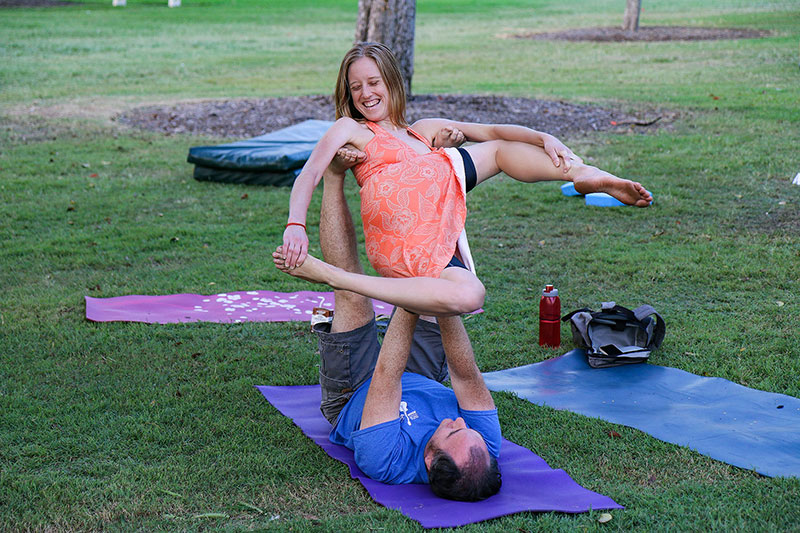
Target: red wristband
(296,224)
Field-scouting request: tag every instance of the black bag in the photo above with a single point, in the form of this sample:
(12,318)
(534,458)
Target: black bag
(615,335)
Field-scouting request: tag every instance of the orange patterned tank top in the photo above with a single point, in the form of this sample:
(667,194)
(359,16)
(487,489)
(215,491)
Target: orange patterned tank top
(412,206)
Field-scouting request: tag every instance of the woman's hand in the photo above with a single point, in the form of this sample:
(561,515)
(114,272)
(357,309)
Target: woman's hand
(560,154)
(449,137)
(295,245)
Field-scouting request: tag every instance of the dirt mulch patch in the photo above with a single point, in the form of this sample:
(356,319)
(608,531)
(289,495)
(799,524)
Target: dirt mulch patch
(251,117)
(646,33)
(35,3)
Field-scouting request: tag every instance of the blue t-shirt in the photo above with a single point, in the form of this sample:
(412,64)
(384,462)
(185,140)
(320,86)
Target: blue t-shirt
(393,452)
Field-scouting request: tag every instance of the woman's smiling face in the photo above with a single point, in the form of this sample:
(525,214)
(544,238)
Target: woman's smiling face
(368,90)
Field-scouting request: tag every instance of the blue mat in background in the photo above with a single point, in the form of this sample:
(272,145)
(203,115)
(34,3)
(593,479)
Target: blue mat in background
(272,159)
(744,427)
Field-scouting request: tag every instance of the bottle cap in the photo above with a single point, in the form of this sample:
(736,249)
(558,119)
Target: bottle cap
(549,291)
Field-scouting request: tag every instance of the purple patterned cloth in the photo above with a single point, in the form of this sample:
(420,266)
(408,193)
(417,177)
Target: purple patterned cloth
(227,307)
(529,484)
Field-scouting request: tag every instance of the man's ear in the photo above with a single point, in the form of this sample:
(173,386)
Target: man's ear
(428,456)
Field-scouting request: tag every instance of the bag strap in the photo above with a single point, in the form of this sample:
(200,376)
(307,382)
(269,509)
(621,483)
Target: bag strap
(613,315)
(644,311)
(575,312)
(616,317)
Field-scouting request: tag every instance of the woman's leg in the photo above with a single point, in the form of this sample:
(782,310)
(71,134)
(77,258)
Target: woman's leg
(529,163)
(455,292)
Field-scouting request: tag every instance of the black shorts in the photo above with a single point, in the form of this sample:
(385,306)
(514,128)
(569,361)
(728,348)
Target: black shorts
(470,174)
(456,262)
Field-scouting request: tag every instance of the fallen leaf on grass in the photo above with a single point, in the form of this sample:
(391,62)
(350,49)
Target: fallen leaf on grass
(244,196)
(613,434)
(165,491)
(211,515)
(605,517)
(253,507)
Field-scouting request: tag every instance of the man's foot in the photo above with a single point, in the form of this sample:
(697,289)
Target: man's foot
(591,179)
(312,269)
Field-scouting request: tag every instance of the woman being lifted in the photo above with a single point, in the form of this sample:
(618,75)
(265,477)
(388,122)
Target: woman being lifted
(413,196)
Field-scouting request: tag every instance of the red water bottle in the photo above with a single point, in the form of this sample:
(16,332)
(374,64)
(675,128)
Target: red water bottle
(550,318)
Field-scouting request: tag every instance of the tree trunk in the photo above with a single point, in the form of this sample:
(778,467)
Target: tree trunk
(631,20)
(390,22)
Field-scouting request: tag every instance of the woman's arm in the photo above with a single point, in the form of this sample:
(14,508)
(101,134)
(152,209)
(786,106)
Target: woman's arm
(475,132)
(295,239)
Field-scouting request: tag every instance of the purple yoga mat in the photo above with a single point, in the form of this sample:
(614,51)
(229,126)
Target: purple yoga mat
(529,484)
(227,307)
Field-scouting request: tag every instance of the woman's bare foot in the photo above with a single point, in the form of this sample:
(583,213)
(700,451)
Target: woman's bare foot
(312,269)
(590,179)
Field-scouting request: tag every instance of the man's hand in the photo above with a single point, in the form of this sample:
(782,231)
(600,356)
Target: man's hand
(449,137)
(346,157)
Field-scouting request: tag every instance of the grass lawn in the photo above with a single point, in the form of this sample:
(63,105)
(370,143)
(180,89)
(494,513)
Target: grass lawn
(126,426)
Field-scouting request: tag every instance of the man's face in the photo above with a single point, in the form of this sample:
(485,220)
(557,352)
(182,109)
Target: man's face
(456,439)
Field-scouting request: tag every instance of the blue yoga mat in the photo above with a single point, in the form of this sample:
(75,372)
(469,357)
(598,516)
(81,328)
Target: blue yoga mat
(744,427)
